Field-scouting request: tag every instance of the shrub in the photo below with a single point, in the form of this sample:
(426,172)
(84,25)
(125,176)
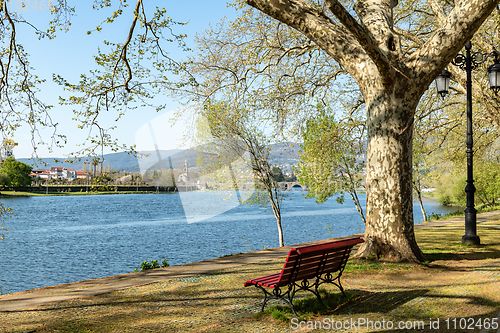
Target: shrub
(164,263)
(145,266)
(487,182)
(154,264)
(444,199)
(450,191)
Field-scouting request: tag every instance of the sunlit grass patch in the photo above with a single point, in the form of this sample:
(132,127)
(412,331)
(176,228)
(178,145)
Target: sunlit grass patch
(355,265)
(445,243)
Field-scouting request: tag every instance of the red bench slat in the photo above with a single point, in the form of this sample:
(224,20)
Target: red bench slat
(313,269)
(303,262)
(327,264)
(266,281)
(316,259)
(328,245)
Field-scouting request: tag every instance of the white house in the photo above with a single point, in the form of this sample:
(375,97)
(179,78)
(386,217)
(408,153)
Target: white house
(69,174)
(44,174)
(54,172)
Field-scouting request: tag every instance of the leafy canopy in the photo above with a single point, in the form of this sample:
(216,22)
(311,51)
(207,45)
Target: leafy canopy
(330,160)
(17,172)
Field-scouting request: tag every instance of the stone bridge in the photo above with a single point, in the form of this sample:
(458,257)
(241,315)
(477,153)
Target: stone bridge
(287,186)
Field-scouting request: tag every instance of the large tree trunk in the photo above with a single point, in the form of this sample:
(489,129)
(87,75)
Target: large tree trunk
(389,205)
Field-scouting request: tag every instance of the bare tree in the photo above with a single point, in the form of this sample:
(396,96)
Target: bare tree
(235,137)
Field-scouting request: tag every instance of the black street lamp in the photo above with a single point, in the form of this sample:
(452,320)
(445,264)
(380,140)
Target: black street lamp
(468,62)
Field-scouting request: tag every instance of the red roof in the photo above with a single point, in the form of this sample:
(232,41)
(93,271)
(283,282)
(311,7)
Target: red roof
(44,172)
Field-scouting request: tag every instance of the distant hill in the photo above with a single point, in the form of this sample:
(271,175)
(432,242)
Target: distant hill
(283,153)
(124,160)
(118,161)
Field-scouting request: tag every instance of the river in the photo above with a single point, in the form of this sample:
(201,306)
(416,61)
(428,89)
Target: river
(62,239)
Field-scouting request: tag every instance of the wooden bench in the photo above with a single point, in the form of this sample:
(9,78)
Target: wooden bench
(323,262)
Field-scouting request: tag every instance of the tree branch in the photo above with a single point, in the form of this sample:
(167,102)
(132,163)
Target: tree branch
(438,10)
(364,37)
(318,27)
(123,55)
(458,28)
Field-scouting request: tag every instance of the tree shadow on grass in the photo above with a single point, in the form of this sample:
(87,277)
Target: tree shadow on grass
(335,303)
(475,323)
(359,303)
(483,253)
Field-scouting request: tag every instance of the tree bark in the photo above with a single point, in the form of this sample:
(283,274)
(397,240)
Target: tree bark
(419,198)
(389,204)
(424,213)
(272,191)
(277,215)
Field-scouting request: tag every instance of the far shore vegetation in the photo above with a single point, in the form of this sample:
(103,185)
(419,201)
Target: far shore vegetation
(7,194)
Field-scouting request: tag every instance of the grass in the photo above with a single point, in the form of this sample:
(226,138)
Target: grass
(459,213)
(308,307)
(485,209)
(357,266)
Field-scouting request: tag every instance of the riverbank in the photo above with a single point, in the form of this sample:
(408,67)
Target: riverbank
(458,286)
(459,210)
(93,189)
(15,194)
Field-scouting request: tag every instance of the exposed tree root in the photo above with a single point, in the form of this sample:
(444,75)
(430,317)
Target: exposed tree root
(374,247)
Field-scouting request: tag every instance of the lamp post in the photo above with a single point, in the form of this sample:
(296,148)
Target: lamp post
(468,62)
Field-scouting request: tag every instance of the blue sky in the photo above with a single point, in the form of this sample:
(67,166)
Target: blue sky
(70,54)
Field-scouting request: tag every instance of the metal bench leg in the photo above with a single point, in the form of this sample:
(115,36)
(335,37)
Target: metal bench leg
(289,297)
(291,294)
(277,293)
(328,278)
(316,292)
(340,286)
(266,298)
(304,285)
